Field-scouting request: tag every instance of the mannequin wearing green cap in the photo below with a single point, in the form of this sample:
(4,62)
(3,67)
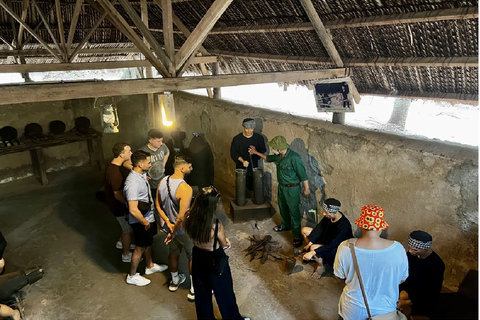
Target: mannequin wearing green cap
(290,172)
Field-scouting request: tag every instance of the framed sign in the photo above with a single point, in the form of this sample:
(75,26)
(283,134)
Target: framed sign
(334,95)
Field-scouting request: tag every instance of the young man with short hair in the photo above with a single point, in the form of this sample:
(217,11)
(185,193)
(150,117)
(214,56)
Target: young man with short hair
(114,181)
(159,153)
(173,201)
(140,206)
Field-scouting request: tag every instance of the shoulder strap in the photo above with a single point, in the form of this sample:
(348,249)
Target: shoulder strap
(351,245)
(215,235)
(170,194)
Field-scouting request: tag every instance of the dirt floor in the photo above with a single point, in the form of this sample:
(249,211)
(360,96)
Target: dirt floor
(64,229)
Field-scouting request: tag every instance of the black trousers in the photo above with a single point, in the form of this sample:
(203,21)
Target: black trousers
(204,281)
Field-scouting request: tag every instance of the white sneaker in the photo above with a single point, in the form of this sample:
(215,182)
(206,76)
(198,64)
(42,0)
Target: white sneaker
(137,280)
(127,257)
(174,285)
(119,245)
(156,268)
(191,296)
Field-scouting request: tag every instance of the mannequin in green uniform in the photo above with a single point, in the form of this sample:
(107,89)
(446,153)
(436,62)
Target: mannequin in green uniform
(290,172)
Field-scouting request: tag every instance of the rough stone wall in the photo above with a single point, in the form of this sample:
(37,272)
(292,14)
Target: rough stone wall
(133,129)
(425,185)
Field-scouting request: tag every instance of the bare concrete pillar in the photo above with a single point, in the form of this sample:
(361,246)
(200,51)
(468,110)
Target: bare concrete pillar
(217,93)
(338,118)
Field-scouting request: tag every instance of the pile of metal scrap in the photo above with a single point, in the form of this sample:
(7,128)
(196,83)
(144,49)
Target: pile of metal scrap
(263,248)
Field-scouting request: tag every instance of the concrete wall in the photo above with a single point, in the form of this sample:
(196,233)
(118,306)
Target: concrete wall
(421,184)
(133,129)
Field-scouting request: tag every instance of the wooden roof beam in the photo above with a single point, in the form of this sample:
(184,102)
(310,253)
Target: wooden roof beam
(21,29)
(157,48)
(19,20)
(50,32)
(167,17)
(123,26)
(73,25)
(47,67)
(321,32)
(464,62)
(24,93)
(414,17)
(61,31)
(76,51)
(196,38)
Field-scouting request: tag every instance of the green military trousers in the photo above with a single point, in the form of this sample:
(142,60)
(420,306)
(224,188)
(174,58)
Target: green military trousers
(289,205)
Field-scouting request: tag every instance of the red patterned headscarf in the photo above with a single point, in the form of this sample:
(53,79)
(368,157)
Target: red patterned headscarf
(372,218)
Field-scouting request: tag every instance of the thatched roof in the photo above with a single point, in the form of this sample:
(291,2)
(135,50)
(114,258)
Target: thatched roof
(274,32)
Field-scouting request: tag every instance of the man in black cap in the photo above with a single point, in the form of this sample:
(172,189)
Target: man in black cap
(323,240)
(239,149)
(425,276)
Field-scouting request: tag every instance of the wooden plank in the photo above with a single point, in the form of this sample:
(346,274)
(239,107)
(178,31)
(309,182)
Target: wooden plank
(413,17)
(148,70)
(132,35)
(196,38)
(87,37)
(21,29)
(438,96)
(47,67)
(61,31)
(465,62)
(157,48)
(217,92)
(47,25)
(167,14)
(16,17)
(34,92)
(73,24)
(38,163)
(321,32)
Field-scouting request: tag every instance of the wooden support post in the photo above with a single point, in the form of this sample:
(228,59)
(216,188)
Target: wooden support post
(38,163)
(148,70)
(73,25)
(338,118)
(61,31)
(217,93)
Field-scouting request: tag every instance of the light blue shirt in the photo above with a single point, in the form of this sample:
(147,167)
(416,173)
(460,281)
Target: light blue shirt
(382,271)
(137,189)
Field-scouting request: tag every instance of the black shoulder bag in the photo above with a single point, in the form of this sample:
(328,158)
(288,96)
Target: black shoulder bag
(143,206)
(220,259)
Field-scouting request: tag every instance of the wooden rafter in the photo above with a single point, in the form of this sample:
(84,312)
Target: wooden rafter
(16,17)
(75,52)
(14,94)
(21,29)
(157,48)
(184,30)
(196,38)
(357,62)
(414,17)
(45,22)
(73,24)
(123,26)
(7,43)
(12,23)
(61,31)
(37,27)
(321,32)
(167,14)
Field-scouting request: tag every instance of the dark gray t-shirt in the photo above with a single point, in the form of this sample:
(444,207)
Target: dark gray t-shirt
(157,171)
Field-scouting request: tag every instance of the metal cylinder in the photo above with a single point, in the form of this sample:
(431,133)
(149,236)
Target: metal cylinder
(13,282)
(258,186)
(240,186)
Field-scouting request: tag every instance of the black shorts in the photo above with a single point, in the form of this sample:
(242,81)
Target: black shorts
(144,238)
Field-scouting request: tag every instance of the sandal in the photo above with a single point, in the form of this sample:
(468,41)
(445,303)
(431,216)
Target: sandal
(297,242)
(279,229)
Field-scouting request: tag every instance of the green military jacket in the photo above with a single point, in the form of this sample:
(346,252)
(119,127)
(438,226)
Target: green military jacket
(290,169)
